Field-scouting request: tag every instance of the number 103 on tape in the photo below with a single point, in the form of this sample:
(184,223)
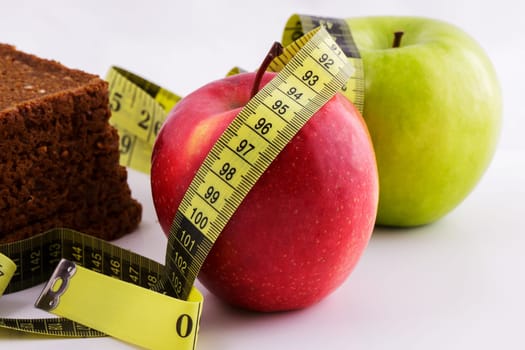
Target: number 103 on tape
(311,71)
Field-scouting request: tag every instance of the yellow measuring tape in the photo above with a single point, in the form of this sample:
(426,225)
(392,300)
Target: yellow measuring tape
(339,29)
(82,287)
(138,109)
(97,277)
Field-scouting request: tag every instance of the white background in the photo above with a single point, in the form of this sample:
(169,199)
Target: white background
(455,284)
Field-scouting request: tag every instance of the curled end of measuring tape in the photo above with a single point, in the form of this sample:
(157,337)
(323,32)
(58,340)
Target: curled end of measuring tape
(56,286)
(87,297)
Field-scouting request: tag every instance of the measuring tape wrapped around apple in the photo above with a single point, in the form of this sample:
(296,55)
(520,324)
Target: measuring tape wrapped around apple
(433,109)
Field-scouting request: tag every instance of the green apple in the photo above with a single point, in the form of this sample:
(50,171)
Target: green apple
(433,108)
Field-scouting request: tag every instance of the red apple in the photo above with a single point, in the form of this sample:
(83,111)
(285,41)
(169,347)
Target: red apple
(302,228)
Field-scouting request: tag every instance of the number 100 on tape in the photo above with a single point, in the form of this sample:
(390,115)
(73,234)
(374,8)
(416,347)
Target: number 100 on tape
(311,71)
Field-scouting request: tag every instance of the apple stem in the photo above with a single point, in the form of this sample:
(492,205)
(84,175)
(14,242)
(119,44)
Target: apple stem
(275,51)
(397,39)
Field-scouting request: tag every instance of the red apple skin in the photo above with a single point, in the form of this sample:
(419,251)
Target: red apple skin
(304,225)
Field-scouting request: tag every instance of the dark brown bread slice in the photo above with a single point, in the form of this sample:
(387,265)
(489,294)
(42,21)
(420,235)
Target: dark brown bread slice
(59,157)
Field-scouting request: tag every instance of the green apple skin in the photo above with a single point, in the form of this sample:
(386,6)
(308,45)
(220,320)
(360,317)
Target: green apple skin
(433,107)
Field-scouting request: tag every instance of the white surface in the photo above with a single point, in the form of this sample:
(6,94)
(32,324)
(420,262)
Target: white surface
(456,284)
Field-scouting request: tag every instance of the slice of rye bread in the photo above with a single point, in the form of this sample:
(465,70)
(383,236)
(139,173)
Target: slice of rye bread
(59,157)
